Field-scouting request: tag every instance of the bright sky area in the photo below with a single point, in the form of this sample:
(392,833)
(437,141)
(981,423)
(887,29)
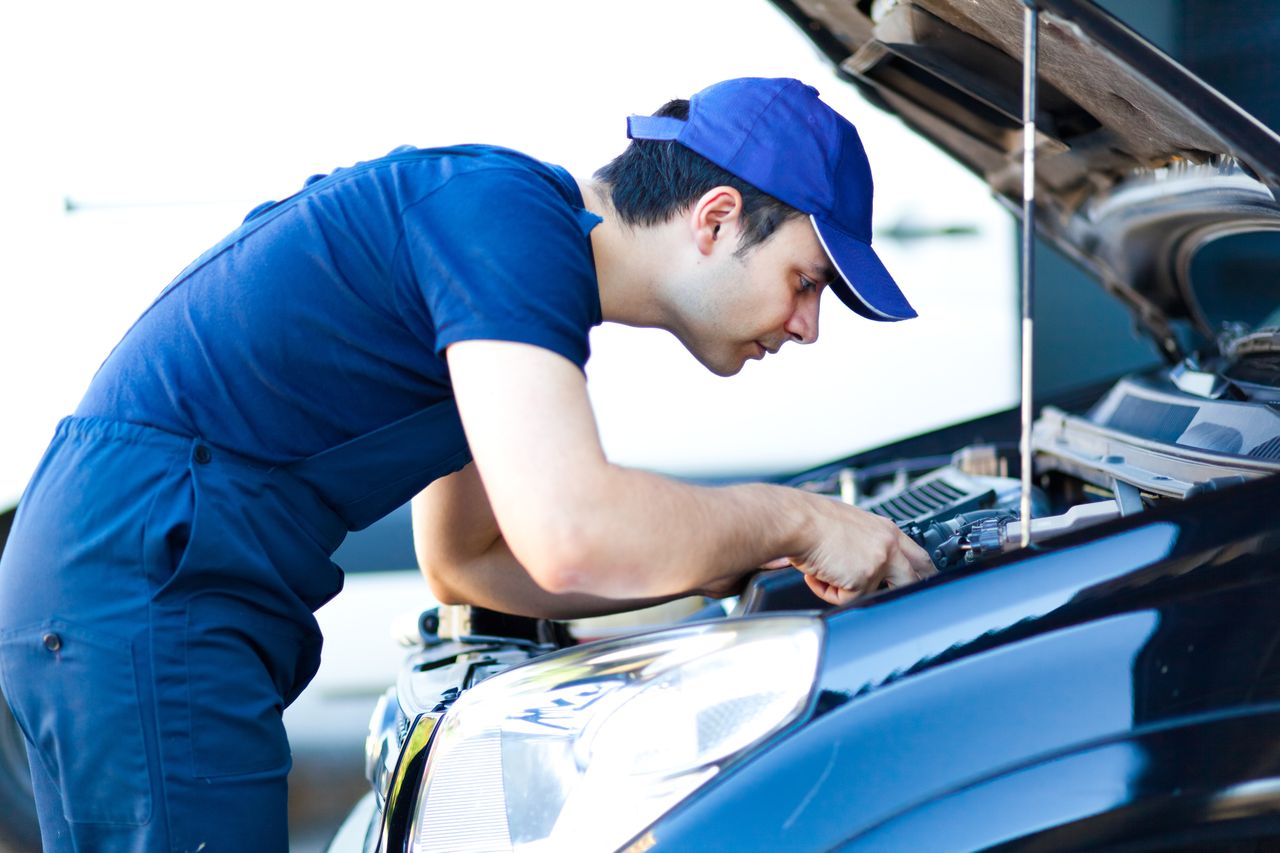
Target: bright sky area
(164,123)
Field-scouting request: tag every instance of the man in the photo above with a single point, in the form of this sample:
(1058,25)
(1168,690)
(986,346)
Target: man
(415,321)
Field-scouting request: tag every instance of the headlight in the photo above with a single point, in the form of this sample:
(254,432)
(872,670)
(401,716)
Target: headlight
(387,728)
(584,749)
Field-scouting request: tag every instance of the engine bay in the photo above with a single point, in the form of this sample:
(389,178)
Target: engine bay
(1168,434)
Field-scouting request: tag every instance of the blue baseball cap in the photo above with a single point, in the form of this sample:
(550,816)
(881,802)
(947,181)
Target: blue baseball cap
(775,134)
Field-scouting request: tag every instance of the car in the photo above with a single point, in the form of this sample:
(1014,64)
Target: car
(1094,666)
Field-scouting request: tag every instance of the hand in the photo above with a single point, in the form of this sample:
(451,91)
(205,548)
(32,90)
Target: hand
(829,593)
(853,551)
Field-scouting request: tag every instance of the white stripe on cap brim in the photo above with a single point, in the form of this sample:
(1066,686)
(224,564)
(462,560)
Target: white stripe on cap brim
(813,220)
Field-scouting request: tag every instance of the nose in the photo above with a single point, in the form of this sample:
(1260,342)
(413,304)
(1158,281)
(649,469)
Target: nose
(803,324)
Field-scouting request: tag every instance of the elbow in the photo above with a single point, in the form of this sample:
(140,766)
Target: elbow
(441,590)
(562,561)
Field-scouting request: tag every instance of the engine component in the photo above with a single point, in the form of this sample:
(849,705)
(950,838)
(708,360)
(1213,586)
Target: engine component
(941,494)
(972,536)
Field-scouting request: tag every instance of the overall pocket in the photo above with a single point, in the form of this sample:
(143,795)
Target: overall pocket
(74,692)
(243,667)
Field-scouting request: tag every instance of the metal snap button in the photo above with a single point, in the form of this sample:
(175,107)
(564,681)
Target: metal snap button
(52,642)
(203,454)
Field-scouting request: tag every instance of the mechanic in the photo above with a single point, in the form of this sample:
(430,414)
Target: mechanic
(418,319)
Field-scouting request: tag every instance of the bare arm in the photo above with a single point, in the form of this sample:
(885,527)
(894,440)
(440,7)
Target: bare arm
(581,525)
(466,561)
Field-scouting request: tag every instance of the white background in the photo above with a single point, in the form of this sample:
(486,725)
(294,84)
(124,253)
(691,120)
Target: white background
(166,122)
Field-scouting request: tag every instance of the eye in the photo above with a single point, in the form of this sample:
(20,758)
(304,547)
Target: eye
(807,285)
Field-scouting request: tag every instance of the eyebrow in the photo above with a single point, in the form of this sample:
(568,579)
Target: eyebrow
(824,273)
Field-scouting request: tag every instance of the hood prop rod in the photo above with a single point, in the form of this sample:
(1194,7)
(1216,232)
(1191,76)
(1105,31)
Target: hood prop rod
(1029,61)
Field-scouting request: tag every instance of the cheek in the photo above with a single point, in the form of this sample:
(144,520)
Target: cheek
(744,304)
(777,310)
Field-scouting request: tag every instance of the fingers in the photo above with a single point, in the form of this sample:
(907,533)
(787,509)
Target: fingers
(830,593)
(780,563)
(822,589)
(910,564)
(923,563)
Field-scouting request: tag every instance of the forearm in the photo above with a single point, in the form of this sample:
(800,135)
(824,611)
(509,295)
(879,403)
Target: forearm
(641,535)
(496,580)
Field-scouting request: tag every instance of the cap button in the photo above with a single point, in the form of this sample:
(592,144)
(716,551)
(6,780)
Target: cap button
(203,454)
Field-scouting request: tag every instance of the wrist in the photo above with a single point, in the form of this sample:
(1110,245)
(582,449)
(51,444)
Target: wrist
(794,521)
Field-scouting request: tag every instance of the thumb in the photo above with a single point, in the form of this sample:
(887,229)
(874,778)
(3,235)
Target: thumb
(910,565)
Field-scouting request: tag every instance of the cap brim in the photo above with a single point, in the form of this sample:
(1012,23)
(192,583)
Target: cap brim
(863,284)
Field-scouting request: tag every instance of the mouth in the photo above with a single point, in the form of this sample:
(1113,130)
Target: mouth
(766,350)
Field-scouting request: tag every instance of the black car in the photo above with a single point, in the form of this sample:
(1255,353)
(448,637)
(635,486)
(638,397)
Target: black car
(1113,684)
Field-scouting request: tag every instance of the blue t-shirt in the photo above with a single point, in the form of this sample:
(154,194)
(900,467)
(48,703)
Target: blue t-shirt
(325,316)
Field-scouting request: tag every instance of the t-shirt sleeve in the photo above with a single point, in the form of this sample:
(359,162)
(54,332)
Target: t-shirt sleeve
(499,254)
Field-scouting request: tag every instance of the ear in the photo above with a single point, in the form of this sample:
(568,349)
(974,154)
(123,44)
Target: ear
(716,218)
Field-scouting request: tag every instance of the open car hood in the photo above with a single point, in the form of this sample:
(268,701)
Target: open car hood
(1138,161)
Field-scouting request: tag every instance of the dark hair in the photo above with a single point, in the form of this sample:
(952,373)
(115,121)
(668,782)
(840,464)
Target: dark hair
(653,179)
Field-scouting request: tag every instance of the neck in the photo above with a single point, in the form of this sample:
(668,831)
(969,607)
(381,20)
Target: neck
(628,260)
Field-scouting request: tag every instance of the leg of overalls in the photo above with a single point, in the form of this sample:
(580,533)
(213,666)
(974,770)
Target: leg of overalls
(147,728)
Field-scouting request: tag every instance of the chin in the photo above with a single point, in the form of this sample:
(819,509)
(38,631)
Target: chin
(724,365)
(725,368)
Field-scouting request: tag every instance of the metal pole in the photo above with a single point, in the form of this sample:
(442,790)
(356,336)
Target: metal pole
(1029,51)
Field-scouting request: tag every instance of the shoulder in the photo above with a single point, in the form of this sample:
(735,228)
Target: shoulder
(481,183)
(466,171)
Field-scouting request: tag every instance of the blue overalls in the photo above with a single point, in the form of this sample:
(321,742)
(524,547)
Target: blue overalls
(157,596)
(157,589)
